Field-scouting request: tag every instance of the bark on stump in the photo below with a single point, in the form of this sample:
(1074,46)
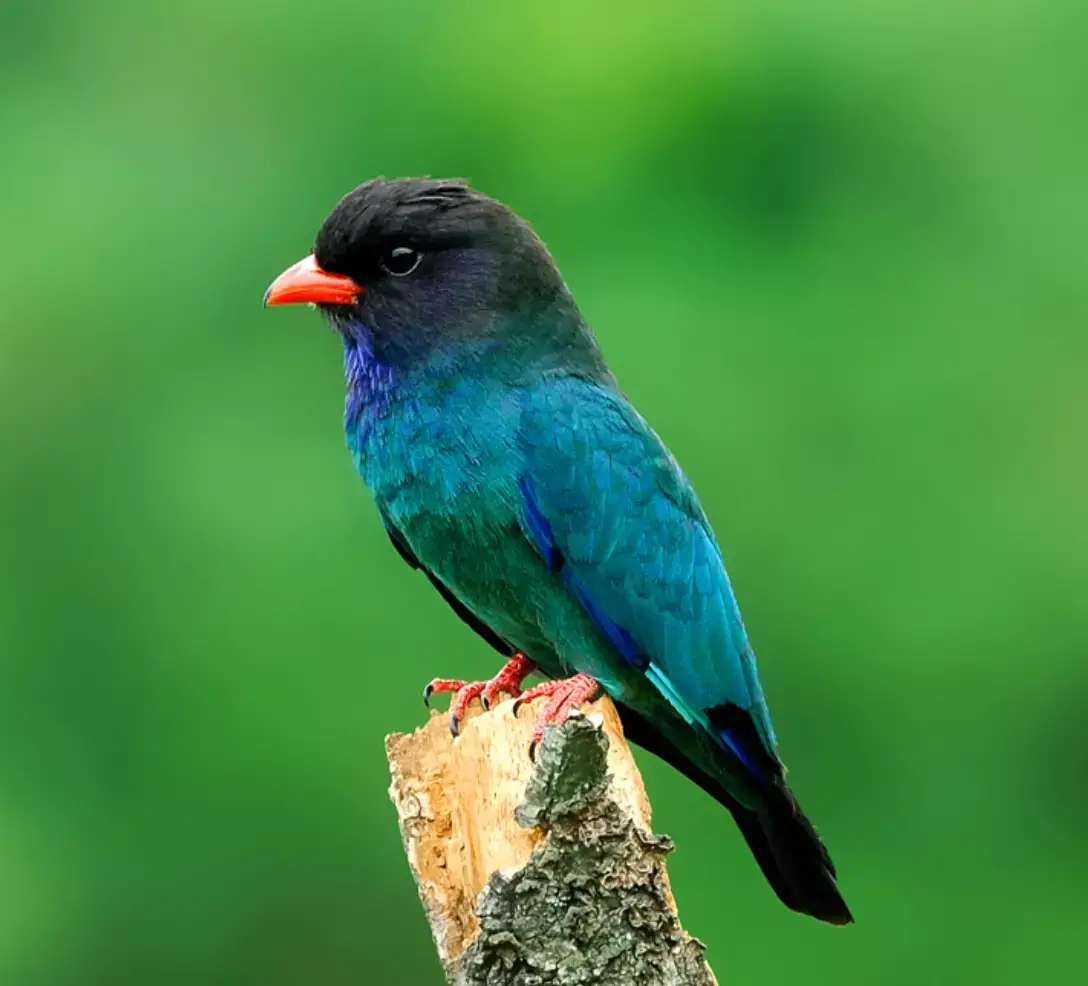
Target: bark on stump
(538,874)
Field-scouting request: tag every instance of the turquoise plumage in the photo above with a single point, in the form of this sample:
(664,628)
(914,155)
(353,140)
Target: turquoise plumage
(637,542)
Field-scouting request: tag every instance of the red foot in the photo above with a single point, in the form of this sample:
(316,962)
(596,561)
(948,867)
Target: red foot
(508,680)
(564,696)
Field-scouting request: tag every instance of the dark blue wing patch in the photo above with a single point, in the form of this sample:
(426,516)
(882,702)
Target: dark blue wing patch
(620,638)
(540,533)
(736,729)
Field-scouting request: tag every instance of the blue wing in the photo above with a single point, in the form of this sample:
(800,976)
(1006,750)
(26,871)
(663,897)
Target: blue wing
(609,509)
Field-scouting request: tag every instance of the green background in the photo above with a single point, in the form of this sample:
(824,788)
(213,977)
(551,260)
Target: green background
(835,252)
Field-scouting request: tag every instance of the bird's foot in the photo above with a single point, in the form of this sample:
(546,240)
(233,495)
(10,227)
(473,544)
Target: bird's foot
(564,696)
(507,681)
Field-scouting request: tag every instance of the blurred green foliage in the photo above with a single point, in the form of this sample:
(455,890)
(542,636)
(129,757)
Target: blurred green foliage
(836,254)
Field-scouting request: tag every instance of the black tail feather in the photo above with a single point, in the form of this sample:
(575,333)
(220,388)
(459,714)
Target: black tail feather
(802,860)
(783,841)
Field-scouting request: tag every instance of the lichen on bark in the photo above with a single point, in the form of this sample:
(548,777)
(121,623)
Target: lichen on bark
(592,904)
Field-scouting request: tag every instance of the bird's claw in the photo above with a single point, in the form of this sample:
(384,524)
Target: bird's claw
(508,680)
(440,685)
(564,697)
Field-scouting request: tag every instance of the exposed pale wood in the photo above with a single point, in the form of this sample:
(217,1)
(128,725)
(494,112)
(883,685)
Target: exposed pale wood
(458,804)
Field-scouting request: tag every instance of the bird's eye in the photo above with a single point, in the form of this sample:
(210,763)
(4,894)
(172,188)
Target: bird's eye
(401,261)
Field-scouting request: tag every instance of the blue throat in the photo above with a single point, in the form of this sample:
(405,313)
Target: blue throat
(370,384)
(376,380)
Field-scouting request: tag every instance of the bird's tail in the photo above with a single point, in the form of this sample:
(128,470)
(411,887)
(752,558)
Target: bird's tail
(789,852)
(793,859)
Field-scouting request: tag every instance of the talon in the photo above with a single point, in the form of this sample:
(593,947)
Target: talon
(439,685)
(508,680)
(564,698)
(461,701)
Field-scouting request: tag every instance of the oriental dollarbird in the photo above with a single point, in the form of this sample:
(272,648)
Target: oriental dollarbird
(510,469)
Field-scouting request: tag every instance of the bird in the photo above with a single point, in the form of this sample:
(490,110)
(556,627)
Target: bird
(508,467)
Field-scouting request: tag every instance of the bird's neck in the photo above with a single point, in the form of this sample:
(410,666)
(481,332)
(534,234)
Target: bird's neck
(371,384)
(553,341)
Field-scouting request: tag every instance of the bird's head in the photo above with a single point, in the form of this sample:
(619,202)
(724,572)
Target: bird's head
(414,265)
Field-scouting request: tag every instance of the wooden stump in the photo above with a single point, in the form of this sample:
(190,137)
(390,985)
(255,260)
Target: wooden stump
(542,873)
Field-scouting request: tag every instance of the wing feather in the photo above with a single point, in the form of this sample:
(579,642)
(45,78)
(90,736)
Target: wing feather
(604,497)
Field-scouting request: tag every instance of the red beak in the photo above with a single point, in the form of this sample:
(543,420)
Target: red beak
(306,282)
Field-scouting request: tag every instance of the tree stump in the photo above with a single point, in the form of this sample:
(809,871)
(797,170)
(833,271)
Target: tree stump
(545,873)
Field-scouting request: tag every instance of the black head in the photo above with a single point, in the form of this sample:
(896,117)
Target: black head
(416,263)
